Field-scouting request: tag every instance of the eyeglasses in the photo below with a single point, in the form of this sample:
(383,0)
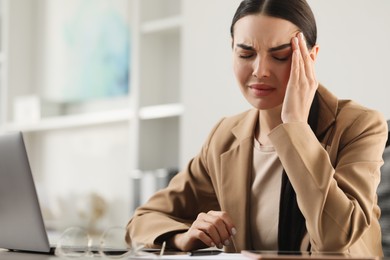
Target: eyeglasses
(76,242)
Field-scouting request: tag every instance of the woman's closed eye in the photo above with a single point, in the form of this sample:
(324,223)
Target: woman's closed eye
(283,55)
(246,55)
(245,51)
(282,58)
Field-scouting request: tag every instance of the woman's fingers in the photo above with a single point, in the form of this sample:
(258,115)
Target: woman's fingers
(302,64)
(204,224)
(295,63)
(223,224)
(217,225)
(214,228)
(197,232)
(307,61)
(222,217)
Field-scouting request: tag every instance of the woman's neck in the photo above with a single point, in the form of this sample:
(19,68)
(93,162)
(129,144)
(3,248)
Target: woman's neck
(268,120)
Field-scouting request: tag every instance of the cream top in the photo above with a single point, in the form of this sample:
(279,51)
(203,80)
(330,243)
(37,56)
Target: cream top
(265,197)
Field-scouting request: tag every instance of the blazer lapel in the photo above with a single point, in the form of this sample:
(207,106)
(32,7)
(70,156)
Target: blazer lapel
(236,171)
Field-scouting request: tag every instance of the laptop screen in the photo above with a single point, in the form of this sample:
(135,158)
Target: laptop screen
(21,222)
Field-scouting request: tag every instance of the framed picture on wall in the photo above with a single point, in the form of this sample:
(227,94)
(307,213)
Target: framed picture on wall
(87,50)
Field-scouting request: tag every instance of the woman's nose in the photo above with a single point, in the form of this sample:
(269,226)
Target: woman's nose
(260,68)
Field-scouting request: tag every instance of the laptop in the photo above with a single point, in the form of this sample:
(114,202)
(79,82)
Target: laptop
(22,226)
(21,222)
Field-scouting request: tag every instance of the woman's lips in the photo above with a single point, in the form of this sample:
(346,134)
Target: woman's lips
(261,90)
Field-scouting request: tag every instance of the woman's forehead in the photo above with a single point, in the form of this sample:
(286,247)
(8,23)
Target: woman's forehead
(261,30)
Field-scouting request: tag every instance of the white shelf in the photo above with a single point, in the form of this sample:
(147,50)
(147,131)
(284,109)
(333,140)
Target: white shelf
(60,122)
(161,111)
(162,25)
(89,119)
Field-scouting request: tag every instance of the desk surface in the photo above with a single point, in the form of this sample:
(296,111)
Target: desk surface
(32,256)
(35,256)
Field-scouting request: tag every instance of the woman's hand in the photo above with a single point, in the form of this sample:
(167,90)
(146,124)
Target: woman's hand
(212,229)
(302,84)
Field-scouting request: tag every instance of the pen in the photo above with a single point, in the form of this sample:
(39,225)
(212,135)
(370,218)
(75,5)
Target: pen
(162,248)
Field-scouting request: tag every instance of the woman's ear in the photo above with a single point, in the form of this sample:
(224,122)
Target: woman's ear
(314,52)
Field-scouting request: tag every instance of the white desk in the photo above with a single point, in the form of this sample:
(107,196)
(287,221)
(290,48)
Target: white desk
(5,255)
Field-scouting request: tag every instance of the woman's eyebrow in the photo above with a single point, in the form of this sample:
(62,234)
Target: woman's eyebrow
(280,47)
(272,49)
(245,47)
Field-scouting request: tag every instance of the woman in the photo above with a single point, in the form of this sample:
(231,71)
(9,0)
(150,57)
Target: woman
(297,172)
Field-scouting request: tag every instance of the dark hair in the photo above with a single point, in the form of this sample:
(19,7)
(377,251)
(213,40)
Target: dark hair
(297,12)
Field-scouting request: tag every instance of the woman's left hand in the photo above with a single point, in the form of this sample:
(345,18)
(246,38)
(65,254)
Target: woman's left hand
(302,84)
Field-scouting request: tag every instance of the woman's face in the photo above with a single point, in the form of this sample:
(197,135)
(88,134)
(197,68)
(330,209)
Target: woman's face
(262,58)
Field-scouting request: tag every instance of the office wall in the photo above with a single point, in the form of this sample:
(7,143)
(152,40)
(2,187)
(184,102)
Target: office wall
(353,62)
(354,39)
(209,88)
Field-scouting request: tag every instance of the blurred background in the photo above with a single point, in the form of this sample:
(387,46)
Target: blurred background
(115,96)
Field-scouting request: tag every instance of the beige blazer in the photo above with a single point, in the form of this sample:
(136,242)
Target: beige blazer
(335,180)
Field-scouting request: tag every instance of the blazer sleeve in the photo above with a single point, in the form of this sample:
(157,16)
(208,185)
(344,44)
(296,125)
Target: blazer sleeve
(337,199)
(173,209)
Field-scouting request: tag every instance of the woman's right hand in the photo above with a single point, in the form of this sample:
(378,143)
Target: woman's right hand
(214,228)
